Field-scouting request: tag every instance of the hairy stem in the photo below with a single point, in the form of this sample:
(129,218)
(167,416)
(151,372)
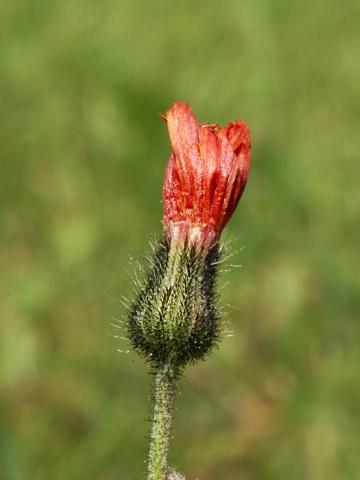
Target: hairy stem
(164,394)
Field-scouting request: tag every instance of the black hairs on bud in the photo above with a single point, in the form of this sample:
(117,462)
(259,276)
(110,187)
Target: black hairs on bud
(175,315)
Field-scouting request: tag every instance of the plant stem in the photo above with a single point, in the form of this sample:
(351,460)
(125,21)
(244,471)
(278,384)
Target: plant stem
(164,394)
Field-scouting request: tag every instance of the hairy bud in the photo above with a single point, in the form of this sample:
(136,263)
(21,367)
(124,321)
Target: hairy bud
(175,316)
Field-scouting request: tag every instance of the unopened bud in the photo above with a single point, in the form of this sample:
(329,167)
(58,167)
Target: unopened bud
(175,315)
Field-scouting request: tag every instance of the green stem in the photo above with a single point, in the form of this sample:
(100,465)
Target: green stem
(164,394)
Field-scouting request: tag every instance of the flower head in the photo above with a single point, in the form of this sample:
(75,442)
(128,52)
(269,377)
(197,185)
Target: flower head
(205,176)
(175,316)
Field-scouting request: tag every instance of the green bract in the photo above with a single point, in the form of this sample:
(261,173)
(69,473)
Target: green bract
(175,315)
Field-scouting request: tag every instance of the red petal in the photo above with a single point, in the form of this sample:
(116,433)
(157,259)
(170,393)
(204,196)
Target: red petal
(206,174)
(184,138)
(238,134)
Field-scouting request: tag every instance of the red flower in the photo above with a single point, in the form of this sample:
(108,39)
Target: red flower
(205,176)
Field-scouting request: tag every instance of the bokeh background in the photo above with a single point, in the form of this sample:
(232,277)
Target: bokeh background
(82,161)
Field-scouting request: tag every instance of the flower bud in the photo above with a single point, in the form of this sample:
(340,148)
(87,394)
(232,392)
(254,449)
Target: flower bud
(205,176)
(175,315)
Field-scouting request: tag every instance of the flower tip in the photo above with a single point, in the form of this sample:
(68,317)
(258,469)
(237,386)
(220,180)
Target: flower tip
(238,133)
(180,107)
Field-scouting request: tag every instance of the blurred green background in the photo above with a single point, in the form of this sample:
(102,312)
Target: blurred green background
(82,161)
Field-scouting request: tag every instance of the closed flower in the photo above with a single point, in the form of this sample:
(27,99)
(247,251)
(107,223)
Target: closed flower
(205,176)
(175,317)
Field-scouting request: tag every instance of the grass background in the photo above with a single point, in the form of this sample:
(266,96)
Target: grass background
(82,161)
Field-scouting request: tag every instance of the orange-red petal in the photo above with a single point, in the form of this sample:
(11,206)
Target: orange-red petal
(205,176)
